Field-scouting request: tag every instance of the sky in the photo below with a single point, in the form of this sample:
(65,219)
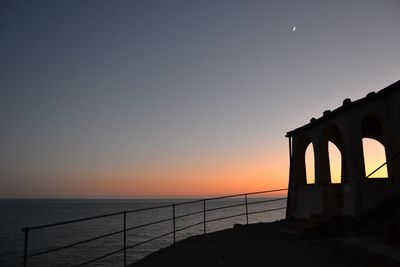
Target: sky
(139,98)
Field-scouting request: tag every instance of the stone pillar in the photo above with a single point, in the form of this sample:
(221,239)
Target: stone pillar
(391,131)
(322,168)
(354,158)
(393,135)
(396,149)
(297,175)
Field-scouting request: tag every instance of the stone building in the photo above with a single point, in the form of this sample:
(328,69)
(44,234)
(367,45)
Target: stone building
(377,116)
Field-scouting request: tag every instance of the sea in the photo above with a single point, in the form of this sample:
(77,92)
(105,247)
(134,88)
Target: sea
(19,213)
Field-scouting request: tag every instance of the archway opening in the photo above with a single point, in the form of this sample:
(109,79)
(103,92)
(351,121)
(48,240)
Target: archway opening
(374,156)
(335,163)
(310,164)
(332,138)
(373,147)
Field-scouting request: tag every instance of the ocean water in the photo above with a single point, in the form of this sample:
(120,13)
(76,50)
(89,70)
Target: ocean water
(16,214)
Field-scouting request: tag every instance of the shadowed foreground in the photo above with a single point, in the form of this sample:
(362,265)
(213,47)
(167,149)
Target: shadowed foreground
(251,245)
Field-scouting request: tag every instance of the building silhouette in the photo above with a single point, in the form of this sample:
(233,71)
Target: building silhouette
(377,116)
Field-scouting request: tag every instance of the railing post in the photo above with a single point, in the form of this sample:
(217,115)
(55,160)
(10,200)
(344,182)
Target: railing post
(247,211)
(26,231)
(204,216)
(124,238)
(173,220)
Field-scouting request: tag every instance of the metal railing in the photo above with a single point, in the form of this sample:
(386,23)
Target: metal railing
(366,194)
(125,247)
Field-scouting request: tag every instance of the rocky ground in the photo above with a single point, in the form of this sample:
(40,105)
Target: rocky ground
(251,245)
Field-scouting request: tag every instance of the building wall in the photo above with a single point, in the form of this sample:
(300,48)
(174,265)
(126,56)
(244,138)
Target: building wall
(346,129)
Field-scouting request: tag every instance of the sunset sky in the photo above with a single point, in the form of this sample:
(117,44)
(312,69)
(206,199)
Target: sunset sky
(176,98)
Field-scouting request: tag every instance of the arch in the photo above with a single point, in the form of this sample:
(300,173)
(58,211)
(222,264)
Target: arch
(374,149)
(372,128)
(309,159)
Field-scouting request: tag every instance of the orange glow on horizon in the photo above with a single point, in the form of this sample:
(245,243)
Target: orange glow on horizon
(231,177)
(247,172)
(208,178)
(196,179)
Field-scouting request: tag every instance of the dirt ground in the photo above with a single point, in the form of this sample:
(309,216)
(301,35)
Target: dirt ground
(251,245)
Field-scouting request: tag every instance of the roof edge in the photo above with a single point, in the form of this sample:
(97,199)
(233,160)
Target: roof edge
(347,104)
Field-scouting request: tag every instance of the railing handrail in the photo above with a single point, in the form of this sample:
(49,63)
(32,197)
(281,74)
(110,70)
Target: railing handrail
(362,195)
(249,194)
(374,171)
(381,166)
(146,209)
(26,230)
(71,221)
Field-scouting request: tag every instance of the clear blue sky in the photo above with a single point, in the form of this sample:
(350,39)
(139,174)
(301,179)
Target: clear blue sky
(134,86)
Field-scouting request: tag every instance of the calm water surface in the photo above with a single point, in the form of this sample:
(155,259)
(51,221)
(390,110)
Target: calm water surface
(16,214)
